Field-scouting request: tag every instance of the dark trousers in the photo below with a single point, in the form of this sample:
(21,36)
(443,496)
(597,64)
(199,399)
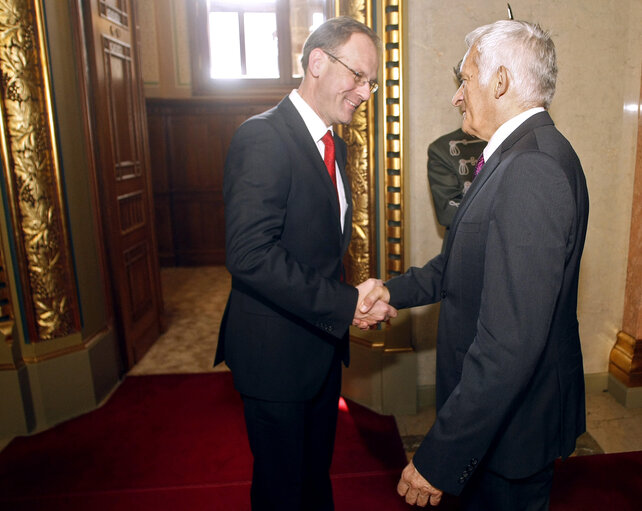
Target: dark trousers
(292,444)
(488,491)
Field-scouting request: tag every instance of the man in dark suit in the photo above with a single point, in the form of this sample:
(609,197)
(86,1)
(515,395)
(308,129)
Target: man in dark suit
(510,386)
(288,225)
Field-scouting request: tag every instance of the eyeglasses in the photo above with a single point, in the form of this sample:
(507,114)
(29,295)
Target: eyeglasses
(359,79)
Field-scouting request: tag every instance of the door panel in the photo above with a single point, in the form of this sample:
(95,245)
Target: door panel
(122,168)
(189,141)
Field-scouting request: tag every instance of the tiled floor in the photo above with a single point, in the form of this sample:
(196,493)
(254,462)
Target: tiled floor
(614,427)
(194,302)
(610,426)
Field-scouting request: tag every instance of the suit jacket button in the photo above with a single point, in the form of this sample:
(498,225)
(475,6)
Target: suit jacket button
(443,294)
(462,480)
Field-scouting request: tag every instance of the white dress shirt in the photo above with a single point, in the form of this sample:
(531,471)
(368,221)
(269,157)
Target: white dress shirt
(317,129)
(506,129)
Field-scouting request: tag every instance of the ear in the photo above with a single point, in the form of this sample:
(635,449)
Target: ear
(501,85)
(316,62)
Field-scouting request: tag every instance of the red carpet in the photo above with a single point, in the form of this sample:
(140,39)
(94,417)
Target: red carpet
(177,442)
(601,482)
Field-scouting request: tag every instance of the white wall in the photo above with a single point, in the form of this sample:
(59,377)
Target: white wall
(599,51)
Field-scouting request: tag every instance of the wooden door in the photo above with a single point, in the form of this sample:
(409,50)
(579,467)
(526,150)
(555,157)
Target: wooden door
(119,138)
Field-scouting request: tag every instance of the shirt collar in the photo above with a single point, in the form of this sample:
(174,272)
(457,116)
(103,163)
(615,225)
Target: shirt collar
(313,122)
(506,129)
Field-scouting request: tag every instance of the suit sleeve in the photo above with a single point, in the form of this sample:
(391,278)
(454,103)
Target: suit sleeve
(418,286)
(530,223)
(446,191)
(257,192)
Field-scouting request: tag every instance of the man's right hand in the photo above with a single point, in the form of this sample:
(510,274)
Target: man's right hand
(372,305)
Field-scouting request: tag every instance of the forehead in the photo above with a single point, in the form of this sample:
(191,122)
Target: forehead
(359,46)
(360,53)
(469,66)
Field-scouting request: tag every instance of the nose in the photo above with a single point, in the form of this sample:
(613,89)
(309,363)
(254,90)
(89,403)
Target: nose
(364,91)
(458,98)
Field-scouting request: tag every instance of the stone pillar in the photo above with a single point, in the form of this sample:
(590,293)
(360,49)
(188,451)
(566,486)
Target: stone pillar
(625,361)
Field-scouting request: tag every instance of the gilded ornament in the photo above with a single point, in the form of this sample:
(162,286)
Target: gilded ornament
(31,171)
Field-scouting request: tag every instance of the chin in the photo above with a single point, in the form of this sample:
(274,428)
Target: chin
(467,128)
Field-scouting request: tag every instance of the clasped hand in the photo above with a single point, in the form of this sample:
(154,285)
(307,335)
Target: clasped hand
(416,489)
(372,306)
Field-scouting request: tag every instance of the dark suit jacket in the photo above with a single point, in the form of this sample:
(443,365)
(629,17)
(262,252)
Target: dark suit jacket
(510,387)
(288,312)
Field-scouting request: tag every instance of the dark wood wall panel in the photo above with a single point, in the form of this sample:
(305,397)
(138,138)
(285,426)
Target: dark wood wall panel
(188,142)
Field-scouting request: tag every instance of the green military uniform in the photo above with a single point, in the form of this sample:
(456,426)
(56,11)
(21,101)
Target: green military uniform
(451,166)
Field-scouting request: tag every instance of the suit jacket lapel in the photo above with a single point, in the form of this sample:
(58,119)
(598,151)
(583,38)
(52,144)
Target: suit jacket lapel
(340,156)
(301,136)
(497,157)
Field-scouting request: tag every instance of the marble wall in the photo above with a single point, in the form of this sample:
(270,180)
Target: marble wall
(599,50)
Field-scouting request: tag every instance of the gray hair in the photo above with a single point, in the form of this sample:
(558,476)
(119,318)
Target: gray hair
(525,50)
(334,33)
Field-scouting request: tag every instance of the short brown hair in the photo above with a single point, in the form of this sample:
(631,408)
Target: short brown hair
(332,34)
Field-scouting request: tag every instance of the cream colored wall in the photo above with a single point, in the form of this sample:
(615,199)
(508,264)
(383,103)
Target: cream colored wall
(599,51)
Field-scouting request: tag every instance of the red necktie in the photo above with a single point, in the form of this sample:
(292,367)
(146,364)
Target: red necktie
(480,164)
(328,157)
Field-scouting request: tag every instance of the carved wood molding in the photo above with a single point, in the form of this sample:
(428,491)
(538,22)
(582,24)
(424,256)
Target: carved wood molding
(625,360)
(33,179)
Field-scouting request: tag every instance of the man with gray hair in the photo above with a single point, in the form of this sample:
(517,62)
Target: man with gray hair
(510,386)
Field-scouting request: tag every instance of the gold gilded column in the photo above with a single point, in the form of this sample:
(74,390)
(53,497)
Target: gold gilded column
(32,175)
(361,260)
(383,371)
(393,136)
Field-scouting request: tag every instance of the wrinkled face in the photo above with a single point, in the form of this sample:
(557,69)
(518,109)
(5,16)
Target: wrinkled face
(338,94)
(476,102)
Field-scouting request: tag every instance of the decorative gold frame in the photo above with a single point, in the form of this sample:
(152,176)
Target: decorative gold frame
(392,19)
(361,261)
(32,174)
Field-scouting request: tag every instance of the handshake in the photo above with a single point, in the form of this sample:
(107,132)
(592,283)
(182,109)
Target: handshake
(372,306)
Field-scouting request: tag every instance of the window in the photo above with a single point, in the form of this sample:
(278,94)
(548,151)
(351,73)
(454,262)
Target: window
(247,45)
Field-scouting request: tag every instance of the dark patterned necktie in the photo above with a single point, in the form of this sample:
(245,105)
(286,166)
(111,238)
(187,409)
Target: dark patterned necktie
(328,157)
(480,164)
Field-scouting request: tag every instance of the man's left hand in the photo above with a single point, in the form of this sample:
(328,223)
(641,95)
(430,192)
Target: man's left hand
(417,489)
